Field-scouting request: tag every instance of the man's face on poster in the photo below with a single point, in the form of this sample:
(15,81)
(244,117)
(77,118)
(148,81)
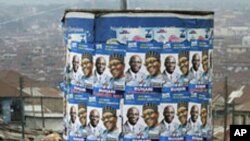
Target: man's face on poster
(82,114)
(135,63)
(182,114)
(203,116)
(170,64)
(205,63)
(94,118)
(109,121)
(75,63)
(184,65)
(196,61)
(153,66)
(100,65)
(116,68)
(133,115)
(169,113)
(87,67)
(194,113)
(72,114)
(150,117)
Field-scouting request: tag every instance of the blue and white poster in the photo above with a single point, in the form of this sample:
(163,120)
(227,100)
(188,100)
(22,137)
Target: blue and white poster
(141,114)
(78,27)
(75,119)
(104,119)
(79,71)
(173,115)
(109,76)
(143,68)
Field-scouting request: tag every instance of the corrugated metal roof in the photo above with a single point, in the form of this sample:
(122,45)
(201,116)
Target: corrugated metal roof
(9,91)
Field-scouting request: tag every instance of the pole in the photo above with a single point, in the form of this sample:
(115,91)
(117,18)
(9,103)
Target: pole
(22,104)
(33,108)
(225,110)
(123,4)
(41,100)
(233,112)
(213,117)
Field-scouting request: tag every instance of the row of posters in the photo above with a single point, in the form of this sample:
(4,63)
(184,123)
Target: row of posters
(137,117)
(111,70)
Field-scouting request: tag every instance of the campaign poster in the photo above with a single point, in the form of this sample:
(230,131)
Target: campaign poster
(104,119)
(167,28)
(73,71)
(136,34)
(195,70)
(75,119)
(141,117)
(199,72)
(109,73)
(194,123)
(206,118)
(78,27)
(171,113)
(175,72)
(80,73)
(172,37)
(200,37)
(143,68)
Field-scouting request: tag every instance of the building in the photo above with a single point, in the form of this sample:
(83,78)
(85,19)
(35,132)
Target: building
(41,102)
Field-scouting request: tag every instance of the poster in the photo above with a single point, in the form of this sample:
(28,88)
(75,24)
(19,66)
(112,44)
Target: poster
(109,77)
(104,119)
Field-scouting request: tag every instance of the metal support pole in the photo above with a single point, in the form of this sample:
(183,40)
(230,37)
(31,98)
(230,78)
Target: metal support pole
(213,117)
(41,100)
(123,4)
(22,105)
(225,110)
(233,112)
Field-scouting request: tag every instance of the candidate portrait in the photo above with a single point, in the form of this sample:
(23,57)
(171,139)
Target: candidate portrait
(170,74)
(195,72)
(153,66)
(131,128)
(87,69)
(168,126)
(134,76)
(110,119)
(150,115)
(101,79)
(95,130)
(116,67)
(184,67)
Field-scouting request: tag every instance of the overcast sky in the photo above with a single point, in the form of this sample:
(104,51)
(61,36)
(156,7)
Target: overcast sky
(131,1)
(144,4)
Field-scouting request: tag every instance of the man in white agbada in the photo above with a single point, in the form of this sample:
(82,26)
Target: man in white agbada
(134,76)
(168,126)
(94,129)
(195,73)
(170,75)
(74,74)
(131,128)
(100,78)
(73,123)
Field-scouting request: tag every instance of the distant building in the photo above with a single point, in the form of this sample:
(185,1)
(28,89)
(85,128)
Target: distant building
(41,102)
(8,56)
(246,41)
